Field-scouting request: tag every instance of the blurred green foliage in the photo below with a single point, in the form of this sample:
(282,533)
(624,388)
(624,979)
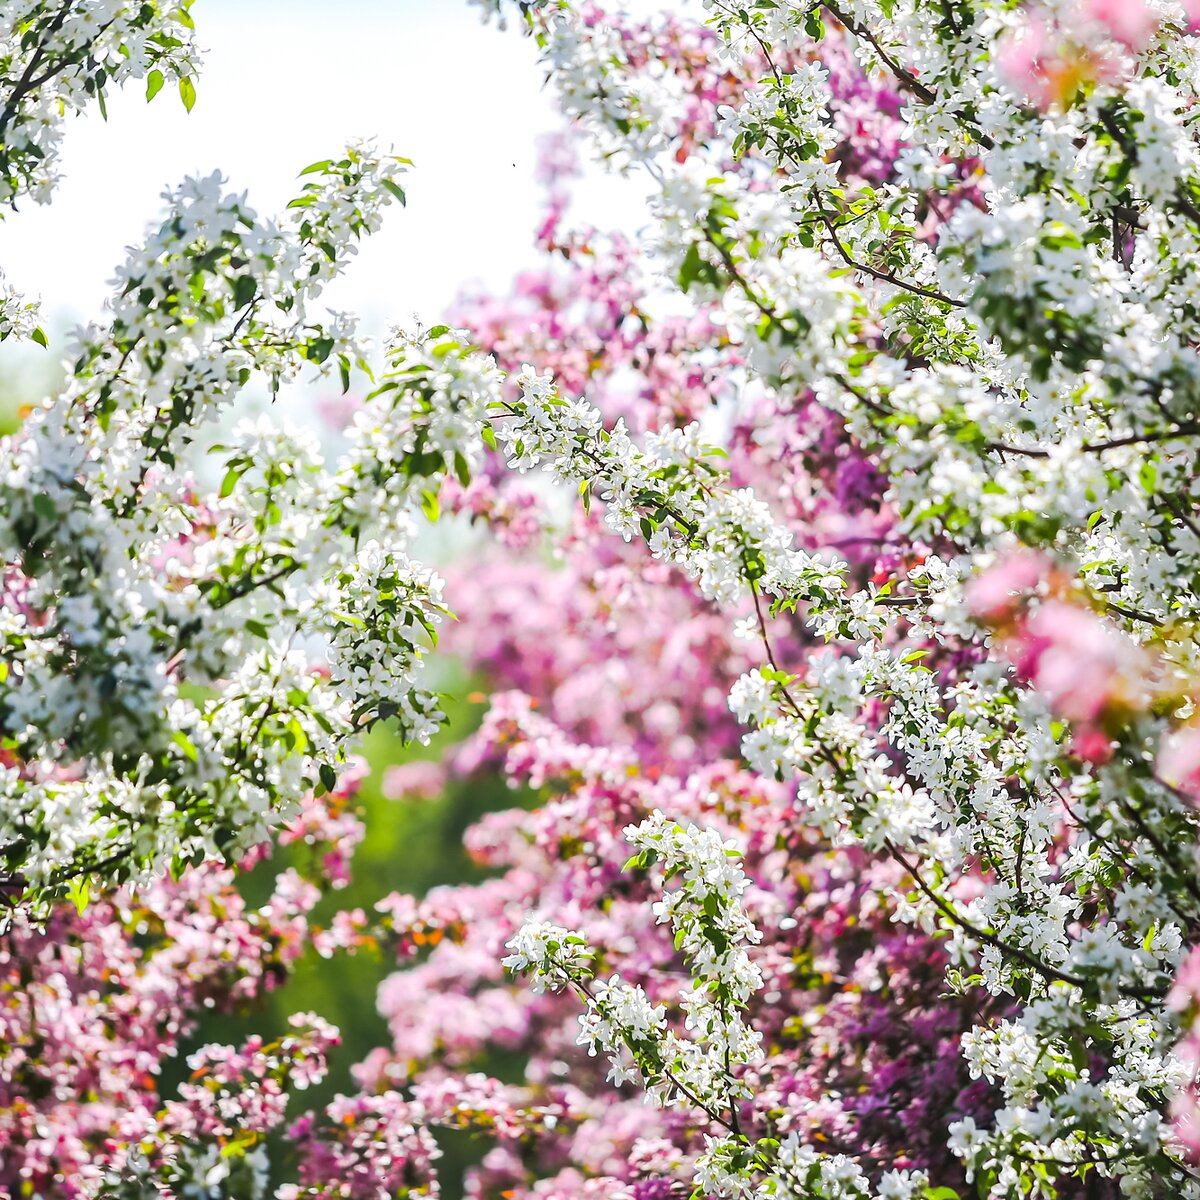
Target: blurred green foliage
(410,846)
(32,373)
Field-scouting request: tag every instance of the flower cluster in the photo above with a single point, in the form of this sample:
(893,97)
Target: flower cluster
(157,706)
(381,606)
(57,58)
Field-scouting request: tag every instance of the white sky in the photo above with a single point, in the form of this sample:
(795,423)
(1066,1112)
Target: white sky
(284,83)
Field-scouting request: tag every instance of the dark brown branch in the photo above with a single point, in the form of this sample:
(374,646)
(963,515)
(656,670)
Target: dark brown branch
(990,939)
(907,80)
(875,272)
(28,82)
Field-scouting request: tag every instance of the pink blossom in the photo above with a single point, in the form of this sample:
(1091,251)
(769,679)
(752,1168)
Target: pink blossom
(421,780)
(1082,665)
(1130,22)
(997,592)
(1179,760)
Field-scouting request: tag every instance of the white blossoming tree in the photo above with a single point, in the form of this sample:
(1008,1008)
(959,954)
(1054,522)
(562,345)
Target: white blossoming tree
(158,705)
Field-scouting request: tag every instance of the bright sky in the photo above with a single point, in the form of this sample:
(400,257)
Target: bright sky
(285,82)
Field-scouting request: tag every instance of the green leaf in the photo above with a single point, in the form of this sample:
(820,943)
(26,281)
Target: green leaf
(154,84)
(245,288)
(396,191)
(319,349)
(689,272)
(328,777)
(39,336)
(462,468)
(45,507)
(187,92)
(79,893)
(230,481)
(489,437)
(185,744)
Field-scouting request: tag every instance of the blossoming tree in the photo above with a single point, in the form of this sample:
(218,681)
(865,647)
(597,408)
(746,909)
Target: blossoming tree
(859,691)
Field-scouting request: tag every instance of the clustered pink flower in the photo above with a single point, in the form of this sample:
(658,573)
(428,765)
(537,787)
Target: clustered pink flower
(1179,760)
(421,780)
(1083,667)
(1087,671)
(329,827)
(1184,999)
(1056,54)
(94,1003)
(366,1146)
(888,1052)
